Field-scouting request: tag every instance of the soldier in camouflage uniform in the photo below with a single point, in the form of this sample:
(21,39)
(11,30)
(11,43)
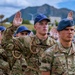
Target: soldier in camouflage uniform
(60,58)
(15,58)
(4,66)
(11,64)
(19,66)
(31,47)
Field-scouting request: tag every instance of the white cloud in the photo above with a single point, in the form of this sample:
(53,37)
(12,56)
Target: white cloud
(7,12)
(14,3)
(24,3)
(38,2)
(9,7)
(54,2)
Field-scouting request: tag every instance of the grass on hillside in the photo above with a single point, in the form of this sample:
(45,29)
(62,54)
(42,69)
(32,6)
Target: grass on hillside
(30,27)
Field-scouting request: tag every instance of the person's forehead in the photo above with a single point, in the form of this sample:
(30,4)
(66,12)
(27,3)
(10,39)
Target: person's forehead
(69,27)
(72,27)
(41,22)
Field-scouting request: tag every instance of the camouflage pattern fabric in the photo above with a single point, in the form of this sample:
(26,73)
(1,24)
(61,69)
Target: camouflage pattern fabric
(59,60)
(16,60)
(30,46)
(10,67)
(17,67)
(4,66)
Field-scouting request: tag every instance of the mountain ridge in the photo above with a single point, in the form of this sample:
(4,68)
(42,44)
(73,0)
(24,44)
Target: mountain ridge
(30,13)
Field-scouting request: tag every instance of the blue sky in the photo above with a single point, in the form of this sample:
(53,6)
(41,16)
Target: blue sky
(9,7)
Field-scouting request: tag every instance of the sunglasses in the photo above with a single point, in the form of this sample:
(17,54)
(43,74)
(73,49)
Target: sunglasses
(24,33)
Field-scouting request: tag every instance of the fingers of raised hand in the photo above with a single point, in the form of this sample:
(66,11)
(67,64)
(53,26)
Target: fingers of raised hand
(18,15)
(17,22)
(70,15)
(17,19)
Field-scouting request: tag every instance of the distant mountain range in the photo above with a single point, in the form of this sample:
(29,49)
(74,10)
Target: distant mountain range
(30,13)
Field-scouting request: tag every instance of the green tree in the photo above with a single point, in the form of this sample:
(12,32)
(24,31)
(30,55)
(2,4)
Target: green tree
(1,17)
(25,22)
(56,23)
(33,31)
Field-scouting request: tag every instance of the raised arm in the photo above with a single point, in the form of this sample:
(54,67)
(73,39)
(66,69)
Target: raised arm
(70,15)
(17,21)
(7,41)
(8,34)
(12,43)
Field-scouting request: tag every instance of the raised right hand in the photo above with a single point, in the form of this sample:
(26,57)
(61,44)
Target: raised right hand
(17,19)
(70,15)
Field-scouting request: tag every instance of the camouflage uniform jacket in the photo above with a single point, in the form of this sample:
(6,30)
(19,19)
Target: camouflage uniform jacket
(8,66)
(30,46)
(58,60)
(4,66)
(15,61)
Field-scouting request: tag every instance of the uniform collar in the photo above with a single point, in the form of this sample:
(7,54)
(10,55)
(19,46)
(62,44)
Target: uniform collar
(64,50)
(44,42)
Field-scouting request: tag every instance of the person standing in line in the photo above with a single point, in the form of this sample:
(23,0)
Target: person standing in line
(4,66)
(60,58)
(30,46)
(20,64)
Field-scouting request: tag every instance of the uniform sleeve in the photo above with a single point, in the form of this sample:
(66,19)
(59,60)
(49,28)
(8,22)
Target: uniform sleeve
(3,60)
(10,43)
(46,60)
(7,37)
(8,33)
(3,54)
